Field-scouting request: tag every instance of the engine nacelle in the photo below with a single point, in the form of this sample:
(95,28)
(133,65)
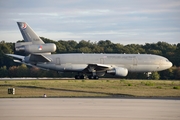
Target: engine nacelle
(43,48)
(118,71)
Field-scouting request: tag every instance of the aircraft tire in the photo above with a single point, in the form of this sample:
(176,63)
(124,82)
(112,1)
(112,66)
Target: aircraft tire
(93,77)
(96,77)
(90,77)
(82,77)
(77,77)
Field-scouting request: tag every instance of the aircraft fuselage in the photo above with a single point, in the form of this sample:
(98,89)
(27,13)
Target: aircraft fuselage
(133,62)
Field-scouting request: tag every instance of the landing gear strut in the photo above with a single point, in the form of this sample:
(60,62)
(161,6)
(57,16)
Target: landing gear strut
(148,74)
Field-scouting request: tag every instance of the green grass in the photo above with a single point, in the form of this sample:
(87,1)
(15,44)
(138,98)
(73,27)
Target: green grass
(176,87)
(91,88)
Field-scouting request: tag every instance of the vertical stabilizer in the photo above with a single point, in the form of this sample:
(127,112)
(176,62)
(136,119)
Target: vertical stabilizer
(28,34)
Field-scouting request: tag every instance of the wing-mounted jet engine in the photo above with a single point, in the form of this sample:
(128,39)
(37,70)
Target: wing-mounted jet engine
(118,71)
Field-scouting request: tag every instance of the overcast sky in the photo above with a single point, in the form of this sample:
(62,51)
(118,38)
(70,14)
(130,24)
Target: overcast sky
(121,21)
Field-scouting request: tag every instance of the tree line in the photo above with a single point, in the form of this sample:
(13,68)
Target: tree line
(8,68)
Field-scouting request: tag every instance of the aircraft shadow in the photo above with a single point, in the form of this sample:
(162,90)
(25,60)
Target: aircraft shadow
(80,91)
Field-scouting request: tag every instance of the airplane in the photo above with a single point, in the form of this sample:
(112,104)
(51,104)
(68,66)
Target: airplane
(84,64)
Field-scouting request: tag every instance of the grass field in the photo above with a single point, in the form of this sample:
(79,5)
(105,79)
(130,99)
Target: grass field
(90,88)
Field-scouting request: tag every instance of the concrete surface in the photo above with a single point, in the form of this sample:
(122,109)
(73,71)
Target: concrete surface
(88,109)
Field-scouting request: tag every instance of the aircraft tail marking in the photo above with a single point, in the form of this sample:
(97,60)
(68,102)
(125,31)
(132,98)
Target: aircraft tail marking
(28,34)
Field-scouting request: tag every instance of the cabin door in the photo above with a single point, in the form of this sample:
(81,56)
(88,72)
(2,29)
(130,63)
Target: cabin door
(57,61)
(101,60)
(134,63)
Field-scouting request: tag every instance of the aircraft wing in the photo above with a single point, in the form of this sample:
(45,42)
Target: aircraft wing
(98,67)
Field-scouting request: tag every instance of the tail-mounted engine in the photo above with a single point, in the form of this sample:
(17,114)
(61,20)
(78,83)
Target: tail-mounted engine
(30,48)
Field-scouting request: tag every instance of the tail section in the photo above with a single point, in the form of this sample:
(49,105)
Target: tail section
(33,43)
(33,46)
(28,34)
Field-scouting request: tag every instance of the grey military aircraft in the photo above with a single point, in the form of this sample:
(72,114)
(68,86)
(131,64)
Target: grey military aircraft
(91,65)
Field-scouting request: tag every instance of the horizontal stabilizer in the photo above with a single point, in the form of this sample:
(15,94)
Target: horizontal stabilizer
(39,58)
(16,56)
(28,64)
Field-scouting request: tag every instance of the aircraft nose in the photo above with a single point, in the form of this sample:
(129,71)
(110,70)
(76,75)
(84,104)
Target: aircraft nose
(166,64)
(170,64)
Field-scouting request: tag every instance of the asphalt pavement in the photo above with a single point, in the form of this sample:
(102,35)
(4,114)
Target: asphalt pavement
(88,109)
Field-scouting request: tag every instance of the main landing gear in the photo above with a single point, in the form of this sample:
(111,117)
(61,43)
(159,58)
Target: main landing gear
(92,70)
(93,77)
(83,77)
(79,77)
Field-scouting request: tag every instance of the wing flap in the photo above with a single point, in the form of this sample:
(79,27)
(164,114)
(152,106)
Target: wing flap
(98,67)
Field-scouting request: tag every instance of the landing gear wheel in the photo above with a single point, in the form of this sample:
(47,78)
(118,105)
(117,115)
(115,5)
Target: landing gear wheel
(96,77)
(93,77)
(79,77)
(82,77)
(90,77)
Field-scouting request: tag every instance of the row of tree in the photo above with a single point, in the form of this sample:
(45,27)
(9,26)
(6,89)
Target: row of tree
(171,51)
